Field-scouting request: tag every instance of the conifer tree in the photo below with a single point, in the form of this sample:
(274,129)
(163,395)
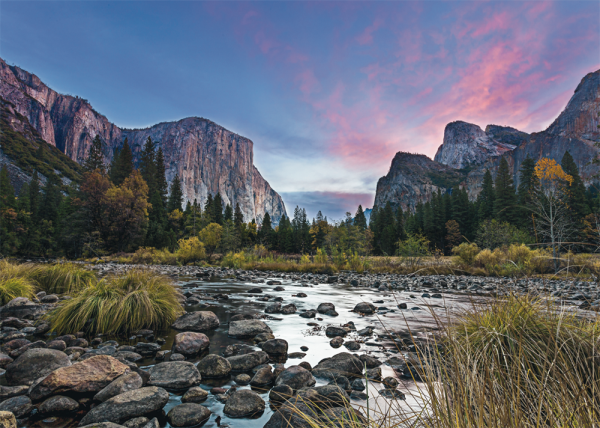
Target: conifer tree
(238,217)
(400,220)
(528,185)
(217,209)
(121,166)
(176,195)
(360,220)
(209,209)
(228,216)
(485,199)
(95,159)
(148,164)
(266,230)
(161,177)
(505,196)
(576,194)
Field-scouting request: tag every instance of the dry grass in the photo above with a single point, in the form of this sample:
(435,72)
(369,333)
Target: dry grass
(139,299)
(64,278)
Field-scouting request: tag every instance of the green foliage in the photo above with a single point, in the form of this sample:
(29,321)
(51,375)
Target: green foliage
(492,234)
(11,288)
(466,253)
(64,278)
(190,250)
(125,304)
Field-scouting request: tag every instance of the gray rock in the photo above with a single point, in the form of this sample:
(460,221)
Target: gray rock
(104,425)
(128,405)
(194,395)
(365,308)
(295,377)
(198,321)
(246,362)
(137,422)
(242,379)
(263,377)
(190,343)
(281,393)
(336,342)
(214,366)
(142,348)
(20,351)
(370,362)
(58,404)
(342,364)
(124,383)
(275,347)
(244,403)
(152,424)
(59,345)
(34,364)
(127,356)
(187,415)
(333,331)
(20,406)
(12,391)
(174,375)
(311,313)
(289,309)
(358,385)
(327,309)
(5,360)
(247,328)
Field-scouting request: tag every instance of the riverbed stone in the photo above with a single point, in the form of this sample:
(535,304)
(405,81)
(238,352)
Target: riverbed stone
(244,403)
(246,362)
(12,391)
(295,377)
(247,328)
(365,308)
(139,422)
(90,375)
(275,347)
(242,379)
(34,345)
(20,406)
(342,364)
(124,383)
(187,415)
(280,393)
(336,342)
(288,309)
(194,395)
(58,404)
(7,420)
(190,343)
(198,321)
(34,364)
(327,309)
(5,360)
(174,375)
(263,377)
(333,331)
(128,405)
(214,366)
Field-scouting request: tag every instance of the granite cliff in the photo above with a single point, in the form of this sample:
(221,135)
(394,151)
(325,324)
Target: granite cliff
(208,157)
(468,150)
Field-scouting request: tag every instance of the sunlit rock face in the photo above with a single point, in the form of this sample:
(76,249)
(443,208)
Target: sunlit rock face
(207,157)
(470,151)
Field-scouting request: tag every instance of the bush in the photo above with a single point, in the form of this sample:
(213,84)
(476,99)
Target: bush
(11,288)
(466,253)
(493,234)
(487,259)
(125,304)
(413,249)
(234,260)
(62,278)
(150,256)
(321,256)
(190,249)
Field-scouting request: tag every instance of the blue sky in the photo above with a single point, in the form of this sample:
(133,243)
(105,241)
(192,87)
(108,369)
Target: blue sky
(328,91)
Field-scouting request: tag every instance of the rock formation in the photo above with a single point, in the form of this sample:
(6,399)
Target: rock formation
(467,149)
(207,157)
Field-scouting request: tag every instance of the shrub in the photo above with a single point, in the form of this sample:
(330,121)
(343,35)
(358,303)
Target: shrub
(64,278)
(305,259)
(190,249)
(493,234)
(150,255)
(321,256)
(465,253)
(519,254)
(11,288)
(139,299)
(413,249)
(487,259)
(234,260)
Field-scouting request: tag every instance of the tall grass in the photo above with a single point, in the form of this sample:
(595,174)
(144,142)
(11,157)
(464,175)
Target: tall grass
(139,299)
(64,278)
(11,288)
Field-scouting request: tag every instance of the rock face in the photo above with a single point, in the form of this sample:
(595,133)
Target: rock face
(207,157)
(413,178)
(466,144)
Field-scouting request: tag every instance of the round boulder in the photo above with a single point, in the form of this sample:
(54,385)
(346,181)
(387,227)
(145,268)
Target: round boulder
(187,415)
(58,404)
(190,343)
(174,375)
(333,331)
(295,377)
(365,308)
(124,383)
(280,393)
(34,364)
(194,395)
(20,406)
(275,347)
(214,366)
(244,403)
(247,328)
(197,321)
(246,362)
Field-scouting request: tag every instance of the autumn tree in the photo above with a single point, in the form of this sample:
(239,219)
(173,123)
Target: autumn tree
(211,237)
(453,235)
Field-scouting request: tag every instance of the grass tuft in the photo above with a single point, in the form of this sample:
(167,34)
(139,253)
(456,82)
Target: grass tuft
(64,278)
(11,288)
(139,299)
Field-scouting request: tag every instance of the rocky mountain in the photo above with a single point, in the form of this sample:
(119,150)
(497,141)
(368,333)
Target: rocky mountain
(207,157)
(468,150)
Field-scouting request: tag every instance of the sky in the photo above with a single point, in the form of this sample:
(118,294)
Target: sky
(327,91)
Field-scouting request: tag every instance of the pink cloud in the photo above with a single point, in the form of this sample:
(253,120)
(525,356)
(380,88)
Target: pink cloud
(366,37)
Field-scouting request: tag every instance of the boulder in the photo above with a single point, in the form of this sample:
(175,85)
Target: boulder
(143,348)
(194,395)
(263,377)
(295,377)
(20,351)
(342,364)
(20,307)
(289,309)
(247,328)
(370,362)
(128,405)
(244,403)
(34,364)
(365,308)
(187,415)
(275,347)
(5,360)
(7,420)
(174,375)
(58,404)
(352,345)
(140,422)
(197,321)
(327,309)
(127,356)
(273,308)
(214,366)
(90,375)
(190,343)
(246,362)
(333,331)
(124,383)
(12,391)
(336,342)
(20,406)
(281,393)
(311,313)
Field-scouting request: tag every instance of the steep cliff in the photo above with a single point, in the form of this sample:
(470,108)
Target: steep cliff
(468,147)
(208,158)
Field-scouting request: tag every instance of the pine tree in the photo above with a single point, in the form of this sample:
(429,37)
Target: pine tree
(528,185)
(95,159)
(266,231)
(176,195)
(228,216)
(217,209)
(400,221)
(360,219)
(161,177)
(121,166)
(485,199)
(238,217)
(208,209)
(576,195)
(148,165)
(505,196)
(7,191)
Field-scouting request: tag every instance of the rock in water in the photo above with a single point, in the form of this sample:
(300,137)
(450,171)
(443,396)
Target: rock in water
(124,383)
(58,404)
(174,375)
(187,415)
(244,403)
(34,364)
(246,362)
(128,405)
(295,377)
(197,321)
(214,366)
(190,343)
(275,347)
(342,364)
(247,328)
(90,375)
(194,395)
